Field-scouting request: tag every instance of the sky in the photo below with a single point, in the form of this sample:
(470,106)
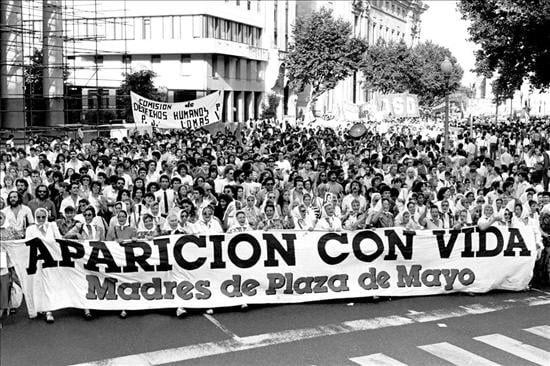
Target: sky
(442,24)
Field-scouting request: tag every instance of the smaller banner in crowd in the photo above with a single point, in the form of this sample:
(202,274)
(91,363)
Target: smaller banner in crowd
(208,271)
(397,105)
(184,115)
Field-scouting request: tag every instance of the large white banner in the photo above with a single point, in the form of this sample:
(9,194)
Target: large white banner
(270,267)
(185,115)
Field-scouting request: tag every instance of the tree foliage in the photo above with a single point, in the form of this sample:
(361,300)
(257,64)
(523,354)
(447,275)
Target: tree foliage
(140,82)
(323,52)
(388,67)
(514,38)
(394,67)
(429,82)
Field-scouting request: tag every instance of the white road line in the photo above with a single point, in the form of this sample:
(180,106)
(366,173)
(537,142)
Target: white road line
(456,355)
(288,336)
(543,331)
(541,291)
(221,326)
(517,348)
(377,359)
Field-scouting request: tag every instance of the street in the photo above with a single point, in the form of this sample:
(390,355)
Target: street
(499,328)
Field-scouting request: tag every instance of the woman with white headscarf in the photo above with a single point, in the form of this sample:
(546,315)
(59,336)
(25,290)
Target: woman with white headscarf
(241,223)
(46,231)
(488,218)
(43,229)
(329,221)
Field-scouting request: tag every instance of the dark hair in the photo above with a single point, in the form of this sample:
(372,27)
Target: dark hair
(91,209)
(21,180)
(42,186)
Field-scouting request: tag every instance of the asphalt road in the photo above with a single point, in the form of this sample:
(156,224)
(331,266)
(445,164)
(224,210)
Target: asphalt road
(503,328)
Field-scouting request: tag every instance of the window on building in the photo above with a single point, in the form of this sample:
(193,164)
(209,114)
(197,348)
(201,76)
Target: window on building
(177,25)
(260,70)
(101,28)
(240,33)
(214,66)
(185,64)
(249,71)
(238,2)
(92,99)
(198,26)
(129,24)
(228,30)
(127,60)
(238,69)
(217,28)
(248,4)
(167,27)
(233,32)
(227,67)
(258,6)
(155,63)
(146,30)
(259,37)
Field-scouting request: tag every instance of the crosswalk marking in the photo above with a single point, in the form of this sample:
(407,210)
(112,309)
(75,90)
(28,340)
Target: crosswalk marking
(517,348)
(543,331)
(456,355)
(376,359)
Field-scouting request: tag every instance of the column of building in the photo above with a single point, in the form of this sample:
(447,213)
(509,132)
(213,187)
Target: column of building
(12,101)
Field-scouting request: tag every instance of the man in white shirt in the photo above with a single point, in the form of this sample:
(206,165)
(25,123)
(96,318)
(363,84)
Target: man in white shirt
(72,199)
(18,216)
(165,196)
(73,163)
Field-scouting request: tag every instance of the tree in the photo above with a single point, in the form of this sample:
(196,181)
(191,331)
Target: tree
(514,40)
(388,67)
(428,81)
(394,67)
(140,82)
(322,54)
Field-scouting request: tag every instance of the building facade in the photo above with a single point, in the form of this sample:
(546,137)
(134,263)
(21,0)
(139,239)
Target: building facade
(195,47)
(371,20)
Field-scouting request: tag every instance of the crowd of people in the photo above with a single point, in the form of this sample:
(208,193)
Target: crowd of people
(273,176)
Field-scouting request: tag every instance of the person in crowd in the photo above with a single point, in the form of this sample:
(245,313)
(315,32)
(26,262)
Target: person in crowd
(42,201)
(7,271)
(147,228)
(18,215)
(192,182)
(329,221)
(46,231)
(89,229)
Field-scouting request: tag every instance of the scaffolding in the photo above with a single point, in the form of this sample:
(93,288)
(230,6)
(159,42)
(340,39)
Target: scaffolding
(82,33)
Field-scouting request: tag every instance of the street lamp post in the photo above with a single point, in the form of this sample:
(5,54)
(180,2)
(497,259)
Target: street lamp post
(447,69)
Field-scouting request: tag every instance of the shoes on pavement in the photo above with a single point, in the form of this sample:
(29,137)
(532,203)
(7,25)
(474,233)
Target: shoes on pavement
(49,317)
(181,312)
(87,314)
(210,311)
(123,314)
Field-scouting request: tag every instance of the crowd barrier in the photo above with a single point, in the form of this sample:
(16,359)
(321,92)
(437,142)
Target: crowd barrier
(209,271)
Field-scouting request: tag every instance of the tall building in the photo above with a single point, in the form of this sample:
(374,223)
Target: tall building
(195,47)
(390,20)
